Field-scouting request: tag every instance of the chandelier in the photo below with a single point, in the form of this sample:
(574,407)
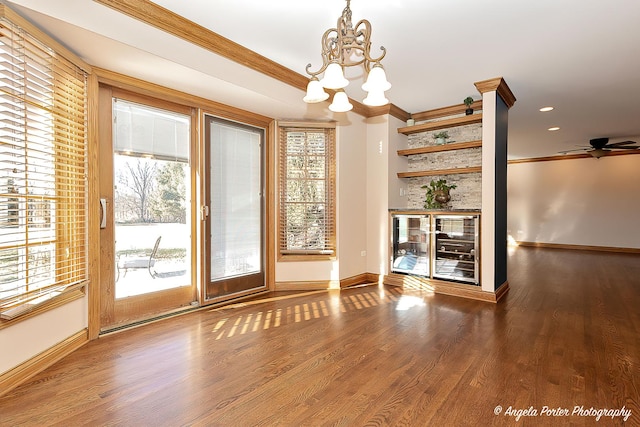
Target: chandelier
(346,46)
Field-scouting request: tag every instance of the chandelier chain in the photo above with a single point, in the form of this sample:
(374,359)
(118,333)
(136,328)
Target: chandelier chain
(345,42)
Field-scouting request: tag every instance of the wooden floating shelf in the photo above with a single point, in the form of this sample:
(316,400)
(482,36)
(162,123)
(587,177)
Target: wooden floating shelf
(442,124)
(439,148)
(445,111)
(453,171)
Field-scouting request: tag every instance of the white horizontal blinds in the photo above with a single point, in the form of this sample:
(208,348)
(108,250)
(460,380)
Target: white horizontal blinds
(236,199)
(145,131)
(42,172)
(307,191)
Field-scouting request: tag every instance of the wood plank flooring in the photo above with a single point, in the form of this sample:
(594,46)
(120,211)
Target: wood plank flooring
(566,335)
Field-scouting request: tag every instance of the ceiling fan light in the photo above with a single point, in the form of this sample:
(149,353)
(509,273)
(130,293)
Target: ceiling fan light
(334,77)
(315,92)
(340,103)
(598,152)
(375,99)
(376,80)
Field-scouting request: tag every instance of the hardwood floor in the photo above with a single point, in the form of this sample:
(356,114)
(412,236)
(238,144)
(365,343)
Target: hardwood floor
(565,335)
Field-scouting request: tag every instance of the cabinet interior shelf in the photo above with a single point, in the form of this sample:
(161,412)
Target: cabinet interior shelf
(456,253)
(439,148)
(452,270)
(434,172)
(443,240)
(441,124)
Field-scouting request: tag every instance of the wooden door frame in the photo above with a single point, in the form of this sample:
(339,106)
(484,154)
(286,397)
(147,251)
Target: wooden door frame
(207,120)
(203,106)
(115,313)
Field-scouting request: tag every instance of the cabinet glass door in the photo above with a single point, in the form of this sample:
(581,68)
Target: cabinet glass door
(456,241)
(411,244)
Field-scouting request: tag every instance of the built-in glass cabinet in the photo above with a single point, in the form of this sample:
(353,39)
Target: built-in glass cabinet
(411,244)
(436,245)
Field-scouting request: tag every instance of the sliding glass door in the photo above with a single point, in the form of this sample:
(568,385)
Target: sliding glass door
(235,201)
(146,197)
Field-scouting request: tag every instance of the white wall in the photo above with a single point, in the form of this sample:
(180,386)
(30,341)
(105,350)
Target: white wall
(383,186)
(31,337)
(351,232)
(579,202)
(377,191)
(398,187)
(352,179)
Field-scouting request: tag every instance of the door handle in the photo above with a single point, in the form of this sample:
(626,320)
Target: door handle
(103,213)
(204,212)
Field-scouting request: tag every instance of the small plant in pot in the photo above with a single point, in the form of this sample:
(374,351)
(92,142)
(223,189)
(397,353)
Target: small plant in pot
(468,101)
(441,137)
(437,194)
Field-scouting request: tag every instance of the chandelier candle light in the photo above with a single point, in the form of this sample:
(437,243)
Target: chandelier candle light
(346,46)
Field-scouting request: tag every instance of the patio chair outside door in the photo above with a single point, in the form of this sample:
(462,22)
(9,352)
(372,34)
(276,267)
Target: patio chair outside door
(140,262)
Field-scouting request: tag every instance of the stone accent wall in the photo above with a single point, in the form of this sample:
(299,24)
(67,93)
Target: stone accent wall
(468,194)
(457,134)
(445,160)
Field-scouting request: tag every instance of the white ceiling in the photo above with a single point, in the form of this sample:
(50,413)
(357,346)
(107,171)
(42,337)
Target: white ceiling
(580,56)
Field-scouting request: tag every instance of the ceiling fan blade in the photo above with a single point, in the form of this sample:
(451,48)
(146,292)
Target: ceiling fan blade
(601,145)
(616,144)
(573,151)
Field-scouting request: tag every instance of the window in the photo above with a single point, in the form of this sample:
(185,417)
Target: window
(307,191)
(42,173)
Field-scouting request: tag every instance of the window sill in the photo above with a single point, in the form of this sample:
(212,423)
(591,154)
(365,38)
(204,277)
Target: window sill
(27,311)
(306,257)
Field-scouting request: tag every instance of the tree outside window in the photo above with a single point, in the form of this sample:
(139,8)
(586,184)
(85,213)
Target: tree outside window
(307,192)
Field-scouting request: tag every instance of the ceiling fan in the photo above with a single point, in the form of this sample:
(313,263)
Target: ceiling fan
(600,147)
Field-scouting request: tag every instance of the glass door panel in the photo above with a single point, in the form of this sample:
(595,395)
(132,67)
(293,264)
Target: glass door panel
(456,242)
(151,194)
(411,244)
(235,197)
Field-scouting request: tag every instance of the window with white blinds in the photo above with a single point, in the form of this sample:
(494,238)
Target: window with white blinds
(43,246)
(307,191)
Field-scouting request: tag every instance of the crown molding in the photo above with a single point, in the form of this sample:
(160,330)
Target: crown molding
(571,157)
(174,24)
(389,109)
(499,85)
(178,26)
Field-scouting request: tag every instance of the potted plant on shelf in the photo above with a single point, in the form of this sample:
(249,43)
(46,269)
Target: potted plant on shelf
(438,193)
(441,137)
(468,101)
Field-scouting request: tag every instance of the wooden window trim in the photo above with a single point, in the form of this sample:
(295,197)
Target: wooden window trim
(69,85)
(69,295)
(288,255)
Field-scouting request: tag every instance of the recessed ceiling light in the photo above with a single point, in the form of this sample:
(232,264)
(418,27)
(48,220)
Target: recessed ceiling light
(554,128)
(543,109)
